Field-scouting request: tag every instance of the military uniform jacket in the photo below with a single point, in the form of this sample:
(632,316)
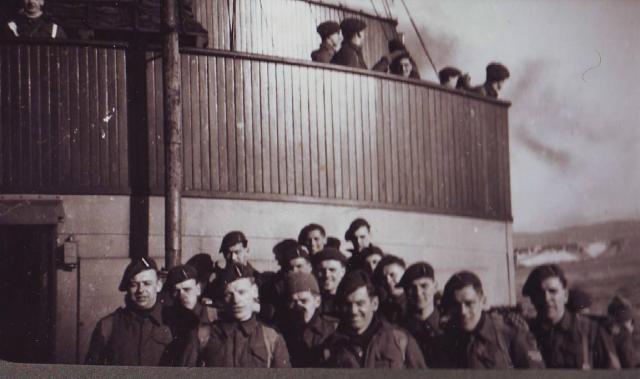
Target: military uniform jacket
(245,344)
(574,342)
(125,338)
(324,53)
(389,347)
(305,342)
(393,308)
(492,345)
(485,90)
(40,27)
(349,55)
(428,334)
(329,305)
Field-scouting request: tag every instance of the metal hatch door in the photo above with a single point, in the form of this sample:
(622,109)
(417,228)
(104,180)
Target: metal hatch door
(27,293)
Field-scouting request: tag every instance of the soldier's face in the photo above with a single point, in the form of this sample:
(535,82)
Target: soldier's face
(33,6)
(392,275)
(358,309)
(420,293)
(330,273)
(373,260)
(303,305)
(300,265)
(316,241)
(363,237)
(334,39)
(468,307)
(551,299)
(238,254)
(187,293)
(405,67)
(240,297)
(143,289)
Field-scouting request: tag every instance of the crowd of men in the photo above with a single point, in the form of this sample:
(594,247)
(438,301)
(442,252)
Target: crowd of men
(369,310)
(398,61)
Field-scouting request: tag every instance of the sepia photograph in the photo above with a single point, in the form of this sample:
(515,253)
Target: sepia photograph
(319,184)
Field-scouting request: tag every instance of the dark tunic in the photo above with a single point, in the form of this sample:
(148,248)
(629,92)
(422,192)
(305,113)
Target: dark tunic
(324,53)
(382,345)
(329,305)
(132,338)
(349,55)
(428,333)
(574,342)
(305,342)
(245,344)
(491,345)
(393,308)
(39,27)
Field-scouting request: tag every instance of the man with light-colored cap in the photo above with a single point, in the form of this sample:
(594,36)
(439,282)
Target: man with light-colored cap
(329,32)
(238,338)
(422,318)
(139,334)
(304,327)
(364,340)
(476,339)
(329,267)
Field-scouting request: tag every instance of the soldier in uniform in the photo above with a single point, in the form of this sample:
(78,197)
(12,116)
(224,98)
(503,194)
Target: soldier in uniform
(566,339)
(359,234)
(350,53)
(238,339)
(364,340)
(497,74)
(474,338)
(448,76)
(329,267)
(422,318)
(140,334)
(304,327)
(386,276)
(367,259)
(314,237)
(330,33)
(182,283)
(620,327)
(32,22)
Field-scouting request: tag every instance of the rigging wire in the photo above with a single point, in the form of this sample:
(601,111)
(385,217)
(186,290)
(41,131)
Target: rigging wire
(424,46)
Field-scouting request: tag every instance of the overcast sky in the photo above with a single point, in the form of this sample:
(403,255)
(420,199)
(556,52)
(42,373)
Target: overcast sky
(575,115)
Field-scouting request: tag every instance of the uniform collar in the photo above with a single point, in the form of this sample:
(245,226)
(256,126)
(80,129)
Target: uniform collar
(565,323)
(247,327)
(356,48)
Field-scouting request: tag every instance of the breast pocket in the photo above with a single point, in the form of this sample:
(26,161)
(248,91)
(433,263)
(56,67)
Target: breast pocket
(162,336)
(258,357)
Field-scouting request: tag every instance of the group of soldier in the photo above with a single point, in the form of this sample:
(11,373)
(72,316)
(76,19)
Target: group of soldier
(398,61)
(322,309)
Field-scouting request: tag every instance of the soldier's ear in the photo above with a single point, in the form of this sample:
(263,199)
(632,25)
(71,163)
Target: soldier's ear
(198,289)
(375,302)
(159,285)
(318,300)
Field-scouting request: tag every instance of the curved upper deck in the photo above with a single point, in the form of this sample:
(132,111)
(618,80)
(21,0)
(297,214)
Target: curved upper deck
(87,119)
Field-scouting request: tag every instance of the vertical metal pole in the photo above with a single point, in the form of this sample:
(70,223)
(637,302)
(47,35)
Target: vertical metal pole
(173,135)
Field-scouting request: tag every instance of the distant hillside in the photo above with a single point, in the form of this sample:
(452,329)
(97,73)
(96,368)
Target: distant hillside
(607,231)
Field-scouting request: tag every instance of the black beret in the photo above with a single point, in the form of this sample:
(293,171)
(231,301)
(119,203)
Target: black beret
(179,274)
(233,272)
(447,73)
(538,275)
(457,282)
(299,282)
(620,309)
(289,249)
(395,45)
(497,72)
(328,28)
(351,26)
(203,264)
(231,239)
(333,242)
(416,271)
(136,266)
(351,282)
(328,253)
(579,299)
(371,250)
(355,225)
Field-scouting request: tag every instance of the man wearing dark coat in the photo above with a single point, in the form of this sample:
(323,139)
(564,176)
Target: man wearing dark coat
(350,53)
(330,33)
(32,22)
(364,340)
